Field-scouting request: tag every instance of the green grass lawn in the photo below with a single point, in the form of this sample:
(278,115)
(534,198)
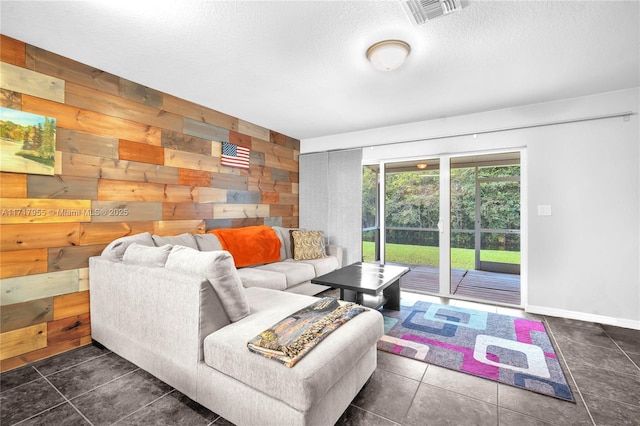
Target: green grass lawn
(426,255)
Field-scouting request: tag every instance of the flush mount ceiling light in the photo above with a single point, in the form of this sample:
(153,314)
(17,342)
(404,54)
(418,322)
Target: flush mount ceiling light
(388,55)
(421,166)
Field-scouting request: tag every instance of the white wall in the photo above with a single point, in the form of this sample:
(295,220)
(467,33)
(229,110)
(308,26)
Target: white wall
(584,260)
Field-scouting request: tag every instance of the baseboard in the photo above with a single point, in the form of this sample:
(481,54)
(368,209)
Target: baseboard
(582,316)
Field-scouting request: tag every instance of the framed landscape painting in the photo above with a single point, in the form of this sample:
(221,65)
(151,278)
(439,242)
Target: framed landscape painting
(28,142)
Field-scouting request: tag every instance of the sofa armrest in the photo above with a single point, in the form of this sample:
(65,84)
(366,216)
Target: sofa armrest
(153,317)
(334,250)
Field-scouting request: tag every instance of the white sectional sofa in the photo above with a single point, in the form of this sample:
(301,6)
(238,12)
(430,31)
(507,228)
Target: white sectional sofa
(185,316)
(286,274)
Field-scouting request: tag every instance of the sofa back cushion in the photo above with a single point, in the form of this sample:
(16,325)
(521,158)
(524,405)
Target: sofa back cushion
(285,238)
(138,254)
(185,239)
(250,245)
(218,268)
(208,242)
(116,249)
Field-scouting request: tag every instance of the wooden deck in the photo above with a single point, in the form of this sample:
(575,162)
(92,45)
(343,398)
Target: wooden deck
(481,285)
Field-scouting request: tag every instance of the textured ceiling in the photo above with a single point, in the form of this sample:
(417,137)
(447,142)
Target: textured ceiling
(300,68)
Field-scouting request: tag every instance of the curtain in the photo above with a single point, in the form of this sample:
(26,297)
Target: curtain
(331,198)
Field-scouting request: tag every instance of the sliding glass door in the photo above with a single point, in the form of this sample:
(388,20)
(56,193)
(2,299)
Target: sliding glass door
(485,227)
(454,220)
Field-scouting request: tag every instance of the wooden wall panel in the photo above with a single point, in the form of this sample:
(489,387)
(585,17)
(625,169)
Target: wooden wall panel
(23,262)
(66,258)
(104,233)
(94,100)
(23,340)
(190,160)
(199,113)
(210,195)
(253,130)
(65,187)
(205,130)
(13,51)
(10,99)
(77,142)
(288,199)
(13,185)
(117,211)
(36,210)
(185,211)
(227,181)
(71,71)
(69,305)
(109,168)
(140,94)
(182,142)
(129,159)
(22,80)
(66,329)
(240,211)
(83,279)
(194,177)
(38,286)
(122,190)
(240,139)
(270,198)
(92,122)
(29,236)
(177,227)
(140,152)
(21,315)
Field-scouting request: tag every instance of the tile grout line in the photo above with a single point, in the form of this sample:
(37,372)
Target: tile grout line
(71,366)
(106,383)
(557,347)
(144,406)
(63,396)
(22,384)
(621,350)
(375,414)
(84,393)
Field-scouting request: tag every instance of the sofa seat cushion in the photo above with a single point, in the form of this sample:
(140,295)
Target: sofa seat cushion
(254,277)
(295,272)
(321,266)
(308,381)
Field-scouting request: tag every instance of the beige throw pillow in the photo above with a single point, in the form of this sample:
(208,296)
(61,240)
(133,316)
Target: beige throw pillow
(307,245)
(219,269)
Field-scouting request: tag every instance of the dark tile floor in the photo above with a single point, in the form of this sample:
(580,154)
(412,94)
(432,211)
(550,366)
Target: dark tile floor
(94,386)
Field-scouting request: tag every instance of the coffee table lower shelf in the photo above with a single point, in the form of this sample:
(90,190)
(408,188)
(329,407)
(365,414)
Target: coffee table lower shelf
(370,285)
(389,298)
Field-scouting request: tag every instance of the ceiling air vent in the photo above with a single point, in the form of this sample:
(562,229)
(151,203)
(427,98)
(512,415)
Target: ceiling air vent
(423,10)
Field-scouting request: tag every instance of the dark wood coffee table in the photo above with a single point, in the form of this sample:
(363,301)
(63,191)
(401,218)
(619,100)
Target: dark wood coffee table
(367,284)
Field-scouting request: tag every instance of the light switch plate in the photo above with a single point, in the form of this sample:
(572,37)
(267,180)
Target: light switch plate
(544,210)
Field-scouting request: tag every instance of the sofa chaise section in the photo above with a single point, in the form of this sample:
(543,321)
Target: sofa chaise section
(175,326)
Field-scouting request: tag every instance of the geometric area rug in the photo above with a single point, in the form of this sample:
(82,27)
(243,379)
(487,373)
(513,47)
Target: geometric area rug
(510,350)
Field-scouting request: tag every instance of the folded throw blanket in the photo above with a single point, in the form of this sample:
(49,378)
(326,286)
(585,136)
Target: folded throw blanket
(293,337)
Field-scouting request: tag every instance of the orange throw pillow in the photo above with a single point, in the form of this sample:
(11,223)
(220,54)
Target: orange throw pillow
(251,245)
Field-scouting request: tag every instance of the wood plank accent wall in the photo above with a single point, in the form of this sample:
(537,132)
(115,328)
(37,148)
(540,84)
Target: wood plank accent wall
(119,145)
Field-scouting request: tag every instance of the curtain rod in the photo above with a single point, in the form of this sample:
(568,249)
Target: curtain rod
(504,129)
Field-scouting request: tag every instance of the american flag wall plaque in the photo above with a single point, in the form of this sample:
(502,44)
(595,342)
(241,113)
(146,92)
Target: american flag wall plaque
(234,155)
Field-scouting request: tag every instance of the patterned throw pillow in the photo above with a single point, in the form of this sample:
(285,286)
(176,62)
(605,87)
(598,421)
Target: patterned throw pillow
(307,245)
